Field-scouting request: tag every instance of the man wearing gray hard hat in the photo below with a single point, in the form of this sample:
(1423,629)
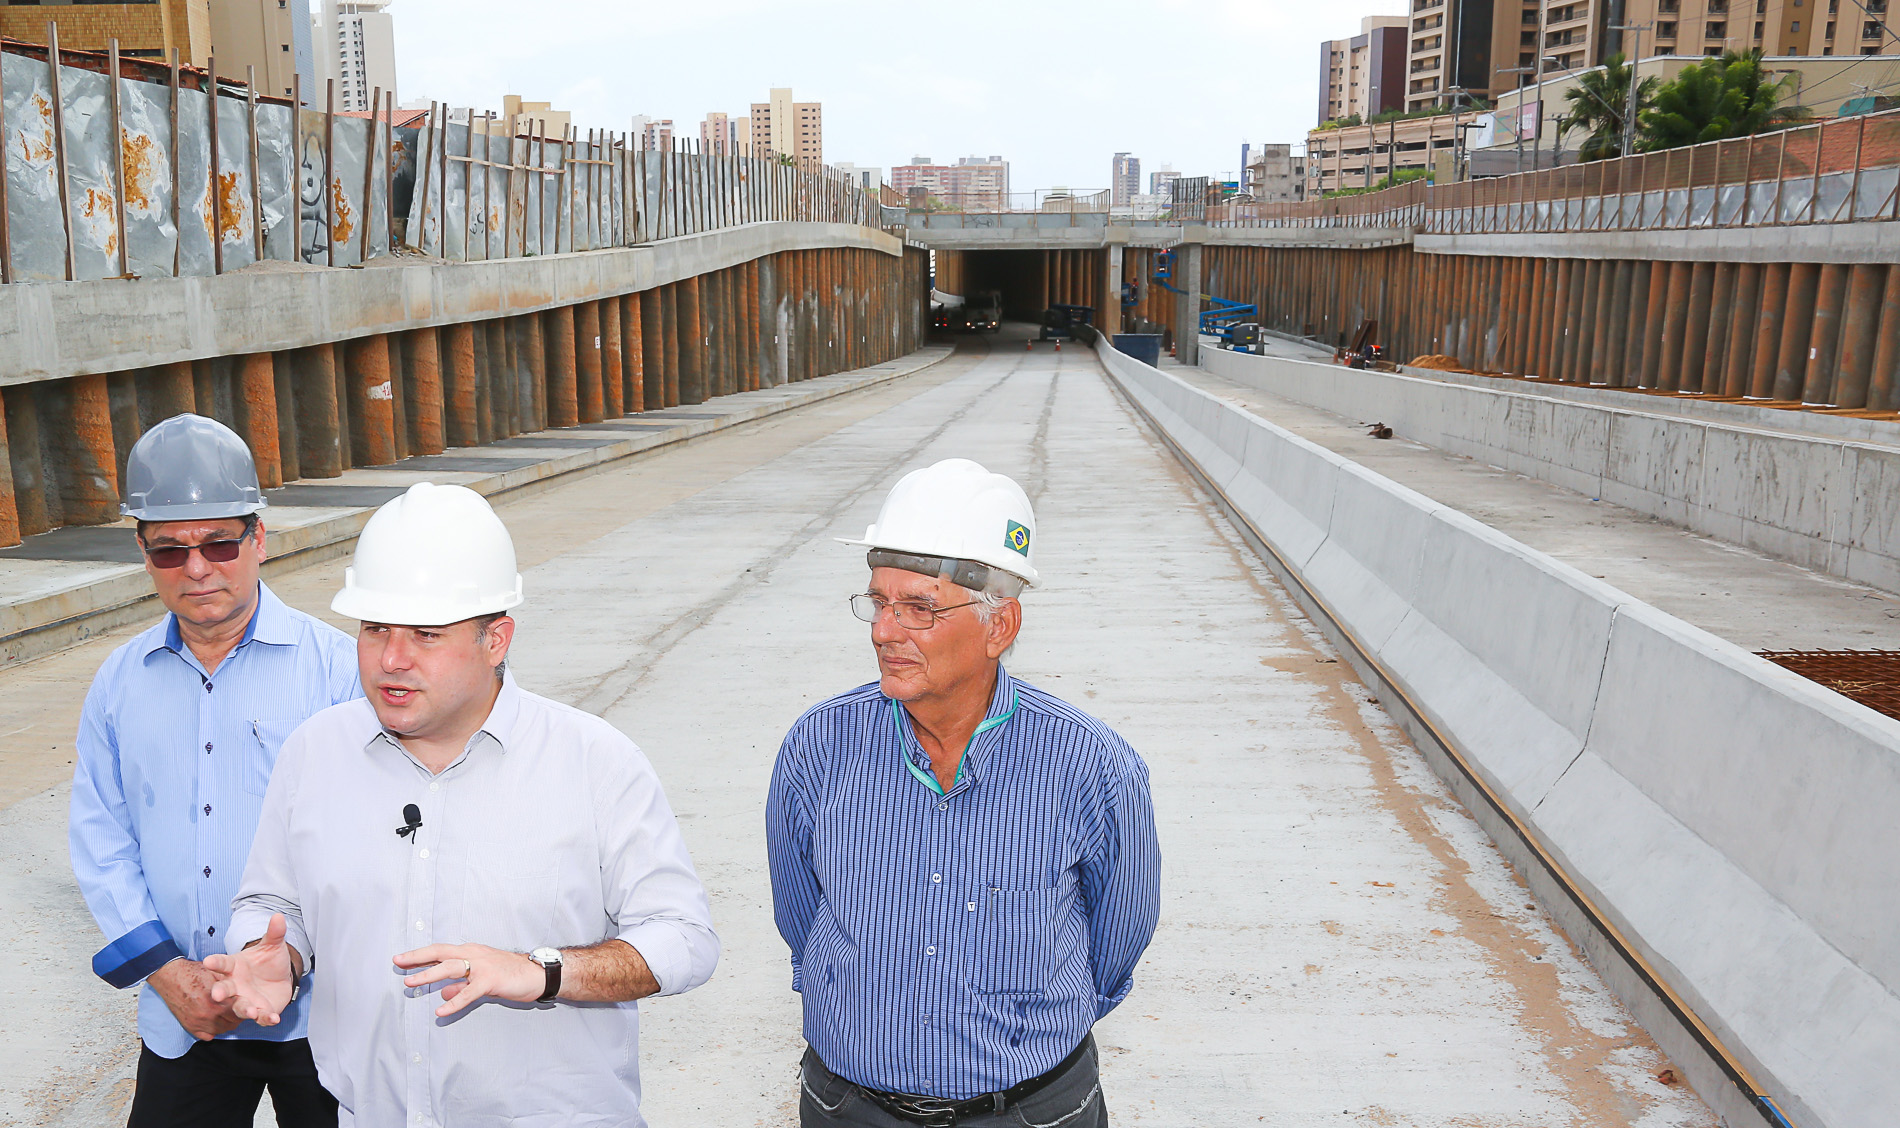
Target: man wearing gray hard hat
(179,734)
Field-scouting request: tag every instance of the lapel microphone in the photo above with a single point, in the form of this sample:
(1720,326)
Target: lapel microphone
(411,819)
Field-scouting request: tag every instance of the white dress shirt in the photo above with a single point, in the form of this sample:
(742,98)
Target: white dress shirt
(549,830)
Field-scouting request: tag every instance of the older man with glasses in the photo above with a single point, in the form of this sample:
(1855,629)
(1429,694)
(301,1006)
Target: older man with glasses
(176,743)
(964,866)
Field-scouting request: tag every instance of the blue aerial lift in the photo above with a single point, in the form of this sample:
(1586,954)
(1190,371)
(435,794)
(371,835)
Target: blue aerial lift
(1222,317)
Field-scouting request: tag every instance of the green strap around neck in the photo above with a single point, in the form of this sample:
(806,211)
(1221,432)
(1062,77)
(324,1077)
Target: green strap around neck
(904,735)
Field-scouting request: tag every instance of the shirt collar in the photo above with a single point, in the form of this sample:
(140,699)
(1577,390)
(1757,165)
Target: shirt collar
(1002,709)
(271,623)
(499,726)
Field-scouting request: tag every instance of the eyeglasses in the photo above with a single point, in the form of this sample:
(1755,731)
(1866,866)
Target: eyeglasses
(175,555)
(911,614)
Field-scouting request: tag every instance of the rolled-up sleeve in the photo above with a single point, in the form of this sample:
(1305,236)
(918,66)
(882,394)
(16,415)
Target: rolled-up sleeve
(105,854)
(270,877)
(653,893)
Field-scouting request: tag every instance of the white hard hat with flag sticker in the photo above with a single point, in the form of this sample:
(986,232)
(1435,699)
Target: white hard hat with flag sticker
(956,510)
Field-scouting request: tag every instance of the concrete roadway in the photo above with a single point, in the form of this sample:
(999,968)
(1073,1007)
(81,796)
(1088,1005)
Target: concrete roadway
(1339,944)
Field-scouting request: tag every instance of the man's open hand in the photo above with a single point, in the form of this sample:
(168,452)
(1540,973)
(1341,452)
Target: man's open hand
(471,972)
(257,981)
(186,985)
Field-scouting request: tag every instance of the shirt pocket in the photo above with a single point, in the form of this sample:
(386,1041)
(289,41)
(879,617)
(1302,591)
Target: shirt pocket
(1013,943)
(509,900)
(267,741)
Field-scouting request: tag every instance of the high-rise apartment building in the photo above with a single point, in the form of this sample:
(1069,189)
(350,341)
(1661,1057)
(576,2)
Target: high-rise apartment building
(1365,74)
(272,37)
(1160,179)
(972,184)
(356,46)
(1124,180)
(1461,45)
(717,136)
(653,133)
(794,129)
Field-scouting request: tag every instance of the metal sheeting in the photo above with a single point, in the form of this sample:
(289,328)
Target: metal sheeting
(174,210)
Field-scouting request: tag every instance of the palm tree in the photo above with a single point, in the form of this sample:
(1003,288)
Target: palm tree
(1717,98)
(1598,102)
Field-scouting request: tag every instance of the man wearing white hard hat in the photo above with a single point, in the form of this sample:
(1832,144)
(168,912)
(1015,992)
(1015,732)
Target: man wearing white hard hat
(964,866)
(486,880)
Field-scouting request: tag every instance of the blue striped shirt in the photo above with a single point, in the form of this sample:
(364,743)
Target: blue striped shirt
(956,944)
(168,783)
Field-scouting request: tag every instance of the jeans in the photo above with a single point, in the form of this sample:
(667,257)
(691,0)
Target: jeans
(218,1084)
(1071,1099)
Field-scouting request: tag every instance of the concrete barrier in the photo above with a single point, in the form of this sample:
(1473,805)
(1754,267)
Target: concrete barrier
(1824,502)
(1715,832)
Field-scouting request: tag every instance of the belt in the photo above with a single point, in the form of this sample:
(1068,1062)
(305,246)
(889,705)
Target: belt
(937,1112)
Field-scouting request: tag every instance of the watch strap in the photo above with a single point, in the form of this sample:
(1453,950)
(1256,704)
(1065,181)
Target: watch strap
(553,988)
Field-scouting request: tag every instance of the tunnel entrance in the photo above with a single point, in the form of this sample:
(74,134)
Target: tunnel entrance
(1030,281)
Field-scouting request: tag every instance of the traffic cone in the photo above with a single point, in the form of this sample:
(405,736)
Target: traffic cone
(1058,346)
(1029,344)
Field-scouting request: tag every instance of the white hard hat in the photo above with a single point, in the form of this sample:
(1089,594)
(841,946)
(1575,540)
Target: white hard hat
(953,512)
(434,556)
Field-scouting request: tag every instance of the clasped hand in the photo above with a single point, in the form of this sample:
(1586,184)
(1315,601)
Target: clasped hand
(257,981)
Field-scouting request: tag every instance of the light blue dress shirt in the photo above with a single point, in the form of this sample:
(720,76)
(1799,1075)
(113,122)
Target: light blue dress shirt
(954,944)
(170,776)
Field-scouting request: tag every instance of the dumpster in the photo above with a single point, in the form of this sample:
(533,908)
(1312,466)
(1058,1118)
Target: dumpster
(1145,347)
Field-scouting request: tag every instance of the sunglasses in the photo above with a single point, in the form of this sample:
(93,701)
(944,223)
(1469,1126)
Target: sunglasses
(175,555)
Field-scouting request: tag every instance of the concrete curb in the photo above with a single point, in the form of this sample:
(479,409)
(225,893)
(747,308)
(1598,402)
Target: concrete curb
(110,595)
(1715,832)
(1821,501)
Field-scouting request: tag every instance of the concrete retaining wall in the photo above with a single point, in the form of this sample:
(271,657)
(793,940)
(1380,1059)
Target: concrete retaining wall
(59,329)
(1732,821)
(1822,502)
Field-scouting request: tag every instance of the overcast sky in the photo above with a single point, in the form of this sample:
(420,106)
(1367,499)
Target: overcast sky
(1054,86)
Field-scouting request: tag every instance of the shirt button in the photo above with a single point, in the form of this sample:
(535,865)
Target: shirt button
(943,806)
(435,787)
(207,871)
(212,931)
(207,746)
(418,926)
(970,905)
(935,877)
(930,951)
(207,687)
(416,1058)
(207,808)
(424,851)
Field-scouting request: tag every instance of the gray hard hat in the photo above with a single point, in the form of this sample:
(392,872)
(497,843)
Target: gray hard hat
(190,468)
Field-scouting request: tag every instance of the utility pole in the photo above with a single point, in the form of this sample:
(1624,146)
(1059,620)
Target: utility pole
(1517,127)
(1629,112)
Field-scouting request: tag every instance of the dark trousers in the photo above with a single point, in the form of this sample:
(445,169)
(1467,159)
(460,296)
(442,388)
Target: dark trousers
(218,1084)
(1071,1099)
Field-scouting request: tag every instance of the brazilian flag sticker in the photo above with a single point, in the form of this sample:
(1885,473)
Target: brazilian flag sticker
(1016,537)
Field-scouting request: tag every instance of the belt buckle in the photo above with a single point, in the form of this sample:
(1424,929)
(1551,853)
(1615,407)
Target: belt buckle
(932,1112)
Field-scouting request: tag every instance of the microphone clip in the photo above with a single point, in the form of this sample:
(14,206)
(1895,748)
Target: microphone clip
(411,820)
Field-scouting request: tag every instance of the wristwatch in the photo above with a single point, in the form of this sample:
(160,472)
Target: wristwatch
(550,961)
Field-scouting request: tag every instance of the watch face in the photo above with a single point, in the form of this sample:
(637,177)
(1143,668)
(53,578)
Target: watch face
(545,956)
